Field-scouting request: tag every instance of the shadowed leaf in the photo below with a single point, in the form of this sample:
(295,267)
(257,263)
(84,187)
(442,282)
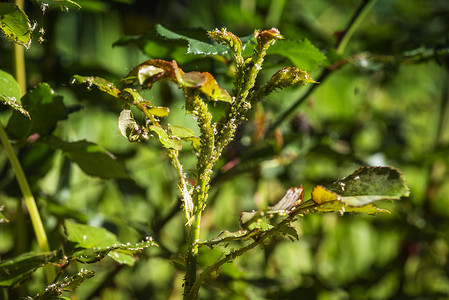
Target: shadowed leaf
(92,159)
(46,109)
(15,270)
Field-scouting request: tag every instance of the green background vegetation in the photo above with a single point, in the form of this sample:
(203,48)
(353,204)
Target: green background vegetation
(384,103)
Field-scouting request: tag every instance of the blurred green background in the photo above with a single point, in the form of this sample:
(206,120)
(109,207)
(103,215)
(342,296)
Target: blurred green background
(386,105)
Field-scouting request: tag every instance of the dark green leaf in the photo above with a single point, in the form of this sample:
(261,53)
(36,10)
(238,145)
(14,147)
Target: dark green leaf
(195,46)
(46,110)
(363,187)
(14,271)
(302,54)
(91,158)
(15,24)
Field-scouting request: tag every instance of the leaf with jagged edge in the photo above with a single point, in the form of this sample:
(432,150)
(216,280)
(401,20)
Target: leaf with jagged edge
(15,270)
(54,291)
(195,46)
(92,244)
(15,24)
(183,45)
(357,192)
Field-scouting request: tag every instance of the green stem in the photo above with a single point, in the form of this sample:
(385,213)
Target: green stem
(342,43)
(29,201)
(239,252)
(205,163)
(41,236)
(19,59)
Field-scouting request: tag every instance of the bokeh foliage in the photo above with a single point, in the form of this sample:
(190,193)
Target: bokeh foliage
(384,103)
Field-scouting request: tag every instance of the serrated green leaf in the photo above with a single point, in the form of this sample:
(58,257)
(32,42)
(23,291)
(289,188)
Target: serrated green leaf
(15,270)
(195,45)
(357,191)
(15,24)
(100,83)
(166,141)
(302,54)
(91,158)
(97,243)
(46,109)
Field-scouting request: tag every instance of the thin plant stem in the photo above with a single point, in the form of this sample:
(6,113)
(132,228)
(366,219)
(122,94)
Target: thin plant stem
(38,227)
(29,201)
(19,59)
(342,43)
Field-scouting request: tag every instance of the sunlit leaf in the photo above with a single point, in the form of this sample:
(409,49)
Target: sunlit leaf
(181,132)
(363,187)
(15,270)
(213,92)
(166,141)
(99,82)
(46,110)
(15,24)
(159,111)
(10,92)
(91,158)
(302,54)
(97,243)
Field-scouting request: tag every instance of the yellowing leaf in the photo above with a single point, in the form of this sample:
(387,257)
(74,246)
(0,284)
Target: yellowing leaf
(212,91)
(321,195)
